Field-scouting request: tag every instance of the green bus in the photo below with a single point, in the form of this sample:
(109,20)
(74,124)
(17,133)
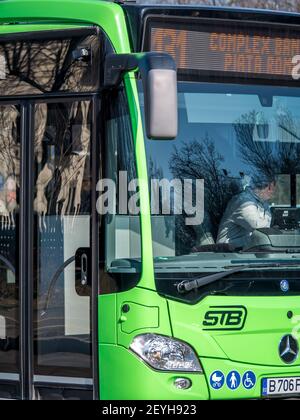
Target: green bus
(149,201)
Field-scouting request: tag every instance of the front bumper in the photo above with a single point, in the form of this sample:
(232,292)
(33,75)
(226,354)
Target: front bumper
(123,376)
(227,367)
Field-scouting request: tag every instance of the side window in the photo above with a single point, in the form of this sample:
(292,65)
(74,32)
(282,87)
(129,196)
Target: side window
(65,63)
(120,203)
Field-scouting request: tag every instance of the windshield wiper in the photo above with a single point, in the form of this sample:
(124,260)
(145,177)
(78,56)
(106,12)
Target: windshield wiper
(189,285)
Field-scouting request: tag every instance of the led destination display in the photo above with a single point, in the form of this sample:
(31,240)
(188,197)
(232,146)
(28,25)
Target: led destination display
(229,49)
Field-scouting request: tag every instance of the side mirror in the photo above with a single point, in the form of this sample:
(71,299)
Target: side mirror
(159,77)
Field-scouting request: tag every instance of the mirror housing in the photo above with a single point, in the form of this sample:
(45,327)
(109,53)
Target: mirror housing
(159,77)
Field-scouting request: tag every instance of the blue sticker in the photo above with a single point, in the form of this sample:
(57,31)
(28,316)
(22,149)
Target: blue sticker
(217,380)
(233,380)
(249,380)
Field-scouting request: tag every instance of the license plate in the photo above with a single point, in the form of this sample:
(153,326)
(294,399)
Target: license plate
(280,386)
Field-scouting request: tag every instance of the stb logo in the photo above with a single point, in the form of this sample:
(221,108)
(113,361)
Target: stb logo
(228,318)
(2,67)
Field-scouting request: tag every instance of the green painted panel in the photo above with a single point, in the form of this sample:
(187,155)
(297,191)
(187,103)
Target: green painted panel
(138,318)
(107,316)
(108,15)
(256,343)
(144,302)
(128,378)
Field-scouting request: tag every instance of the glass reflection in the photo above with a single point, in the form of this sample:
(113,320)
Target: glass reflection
(9,237)
(45,65)
(244,142)
(62,231)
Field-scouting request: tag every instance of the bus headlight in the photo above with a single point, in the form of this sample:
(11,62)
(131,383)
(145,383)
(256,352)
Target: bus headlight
(165,353)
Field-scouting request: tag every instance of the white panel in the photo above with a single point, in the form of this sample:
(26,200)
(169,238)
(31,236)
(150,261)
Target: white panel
(77,308)
(122,237)
(135,237)
(11,278)
(2,328)
(163,234)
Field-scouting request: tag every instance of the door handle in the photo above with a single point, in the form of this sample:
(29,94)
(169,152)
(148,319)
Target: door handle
(84,269)
(83,279)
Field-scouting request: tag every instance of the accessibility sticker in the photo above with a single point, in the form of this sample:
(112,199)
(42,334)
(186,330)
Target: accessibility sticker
(217,380)
(233,380)
(249,380)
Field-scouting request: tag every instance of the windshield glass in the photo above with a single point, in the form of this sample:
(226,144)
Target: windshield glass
(234,178)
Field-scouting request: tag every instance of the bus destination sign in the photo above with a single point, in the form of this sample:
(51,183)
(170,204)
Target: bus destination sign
(236,51)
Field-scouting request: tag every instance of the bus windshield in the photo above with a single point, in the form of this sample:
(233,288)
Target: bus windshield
(238,150)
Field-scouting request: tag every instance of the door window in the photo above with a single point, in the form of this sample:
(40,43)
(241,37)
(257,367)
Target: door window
(62,228)
(9,239)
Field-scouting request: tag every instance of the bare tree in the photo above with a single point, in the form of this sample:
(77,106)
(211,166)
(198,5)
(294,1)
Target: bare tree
(266,158)
(200,159)
(44,67)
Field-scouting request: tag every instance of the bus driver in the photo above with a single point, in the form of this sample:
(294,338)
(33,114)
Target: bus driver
(246,212)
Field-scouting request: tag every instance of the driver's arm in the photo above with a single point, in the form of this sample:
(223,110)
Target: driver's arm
(251,217)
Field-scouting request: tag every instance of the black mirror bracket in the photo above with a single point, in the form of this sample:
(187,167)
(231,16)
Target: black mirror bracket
(116,65)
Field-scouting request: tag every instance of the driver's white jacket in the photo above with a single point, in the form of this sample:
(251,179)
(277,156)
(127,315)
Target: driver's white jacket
(245,213)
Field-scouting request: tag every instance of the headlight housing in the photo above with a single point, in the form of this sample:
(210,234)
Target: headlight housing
(166,353)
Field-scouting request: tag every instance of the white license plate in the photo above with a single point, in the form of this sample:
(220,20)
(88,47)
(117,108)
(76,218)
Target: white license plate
(280,386)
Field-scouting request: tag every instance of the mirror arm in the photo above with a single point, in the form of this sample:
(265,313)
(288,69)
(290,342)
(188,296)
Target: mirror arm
(116,65)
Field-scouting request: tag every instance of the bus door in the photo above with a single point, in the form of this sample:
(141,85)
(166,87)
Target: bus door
(46,188)
(48,221)
(62,236)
